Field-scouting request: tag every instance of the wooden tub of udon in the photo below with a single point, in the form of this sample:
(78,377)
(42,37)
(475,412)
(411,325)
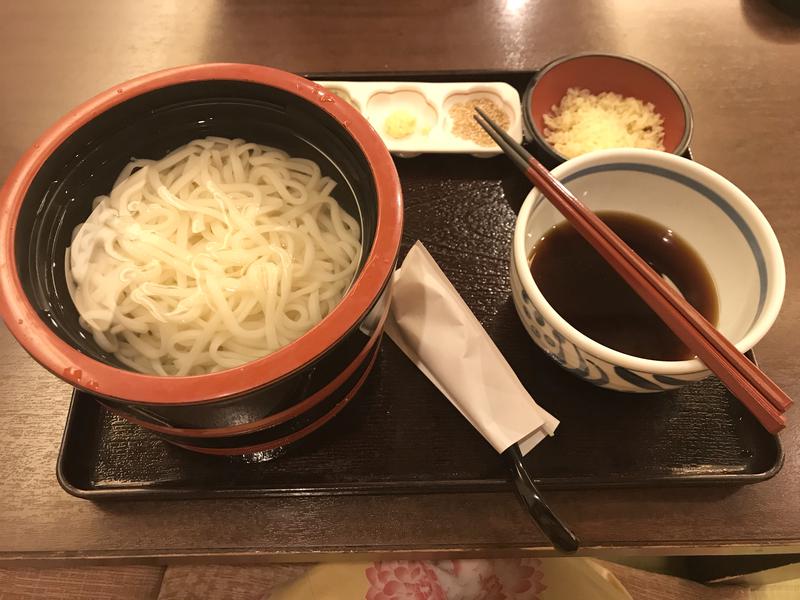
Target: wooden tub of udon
(263,404)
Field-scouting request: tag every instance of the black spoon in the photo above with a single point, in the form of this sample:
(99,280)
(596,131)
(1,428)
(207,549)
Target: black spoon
(554,528)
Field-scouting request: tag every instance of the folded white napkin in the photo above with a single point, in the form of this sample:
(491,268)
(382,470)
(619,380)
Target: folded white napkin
(435,328)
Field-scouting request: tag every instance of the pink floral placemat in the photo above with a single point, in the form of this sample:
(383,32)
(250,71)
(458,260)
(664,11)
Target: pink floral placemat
(488,579)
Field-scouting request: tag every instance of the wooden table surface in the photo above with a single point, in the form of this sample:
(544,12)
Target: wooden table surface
(736,60)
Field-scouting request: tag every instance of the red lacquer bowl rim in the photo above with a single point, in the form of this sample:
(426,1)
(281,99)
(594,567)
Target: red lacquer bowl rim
(96,377)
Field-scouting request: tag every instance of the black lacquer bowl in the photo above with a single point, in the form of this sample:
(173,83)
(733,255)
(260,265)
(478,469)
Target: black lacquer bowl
(265,404)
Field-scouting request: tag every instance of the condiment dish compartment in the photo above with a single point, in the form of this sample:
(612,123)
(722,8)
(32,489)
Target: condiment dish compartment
(412,117)
(405,115)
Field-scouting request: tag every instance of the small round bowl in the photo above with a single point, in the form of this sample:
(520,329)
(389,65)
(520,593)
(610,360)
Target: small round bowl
(607,73)
(265,404)
(715,217)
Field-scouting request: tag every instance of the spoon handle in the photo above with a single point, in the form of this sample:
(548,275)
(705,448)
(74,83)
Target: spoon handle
(554,528)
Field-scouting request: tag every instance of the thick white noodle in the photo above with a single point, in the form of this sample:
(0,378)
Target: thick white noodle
(216,255)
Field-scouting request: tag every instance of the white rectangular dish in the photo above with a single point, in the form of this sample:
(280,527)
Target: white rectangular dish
(416,117)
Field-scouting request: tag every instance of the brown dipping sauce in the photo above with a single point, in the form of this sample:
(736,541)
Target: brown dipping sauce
(594,299)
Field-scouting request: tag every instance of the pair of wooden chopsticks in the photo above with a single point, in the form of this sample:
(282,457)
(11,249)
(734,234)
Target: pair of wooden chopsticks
(747,382)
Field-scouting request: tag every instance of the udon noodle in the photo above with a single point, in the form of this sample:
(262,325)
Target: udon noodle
(218,254)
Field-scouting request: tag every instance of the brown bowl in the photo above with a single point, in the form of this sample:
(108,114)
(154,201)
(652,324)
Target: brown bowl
(264,404)
(607,73)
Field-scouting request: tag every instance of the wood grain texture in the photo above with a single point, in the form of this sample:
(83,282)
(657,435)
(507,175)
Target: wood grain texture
(231,582)
(97,583)
(736,62)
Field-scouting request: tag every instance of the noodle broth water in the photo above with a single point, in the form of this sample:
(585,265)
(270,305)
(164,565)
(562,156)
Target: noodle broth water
(594,299)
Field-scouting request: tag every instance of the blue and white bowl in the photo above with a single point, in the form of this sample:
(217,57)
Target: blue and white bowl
(727,229)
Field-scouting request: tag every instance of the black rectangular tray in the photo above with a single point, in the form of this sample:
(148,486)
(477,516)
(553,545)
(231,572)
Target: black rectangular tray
(401,435)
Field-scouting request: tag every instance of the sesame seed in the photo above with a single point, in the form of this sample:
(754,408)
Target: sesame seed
(466,127)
